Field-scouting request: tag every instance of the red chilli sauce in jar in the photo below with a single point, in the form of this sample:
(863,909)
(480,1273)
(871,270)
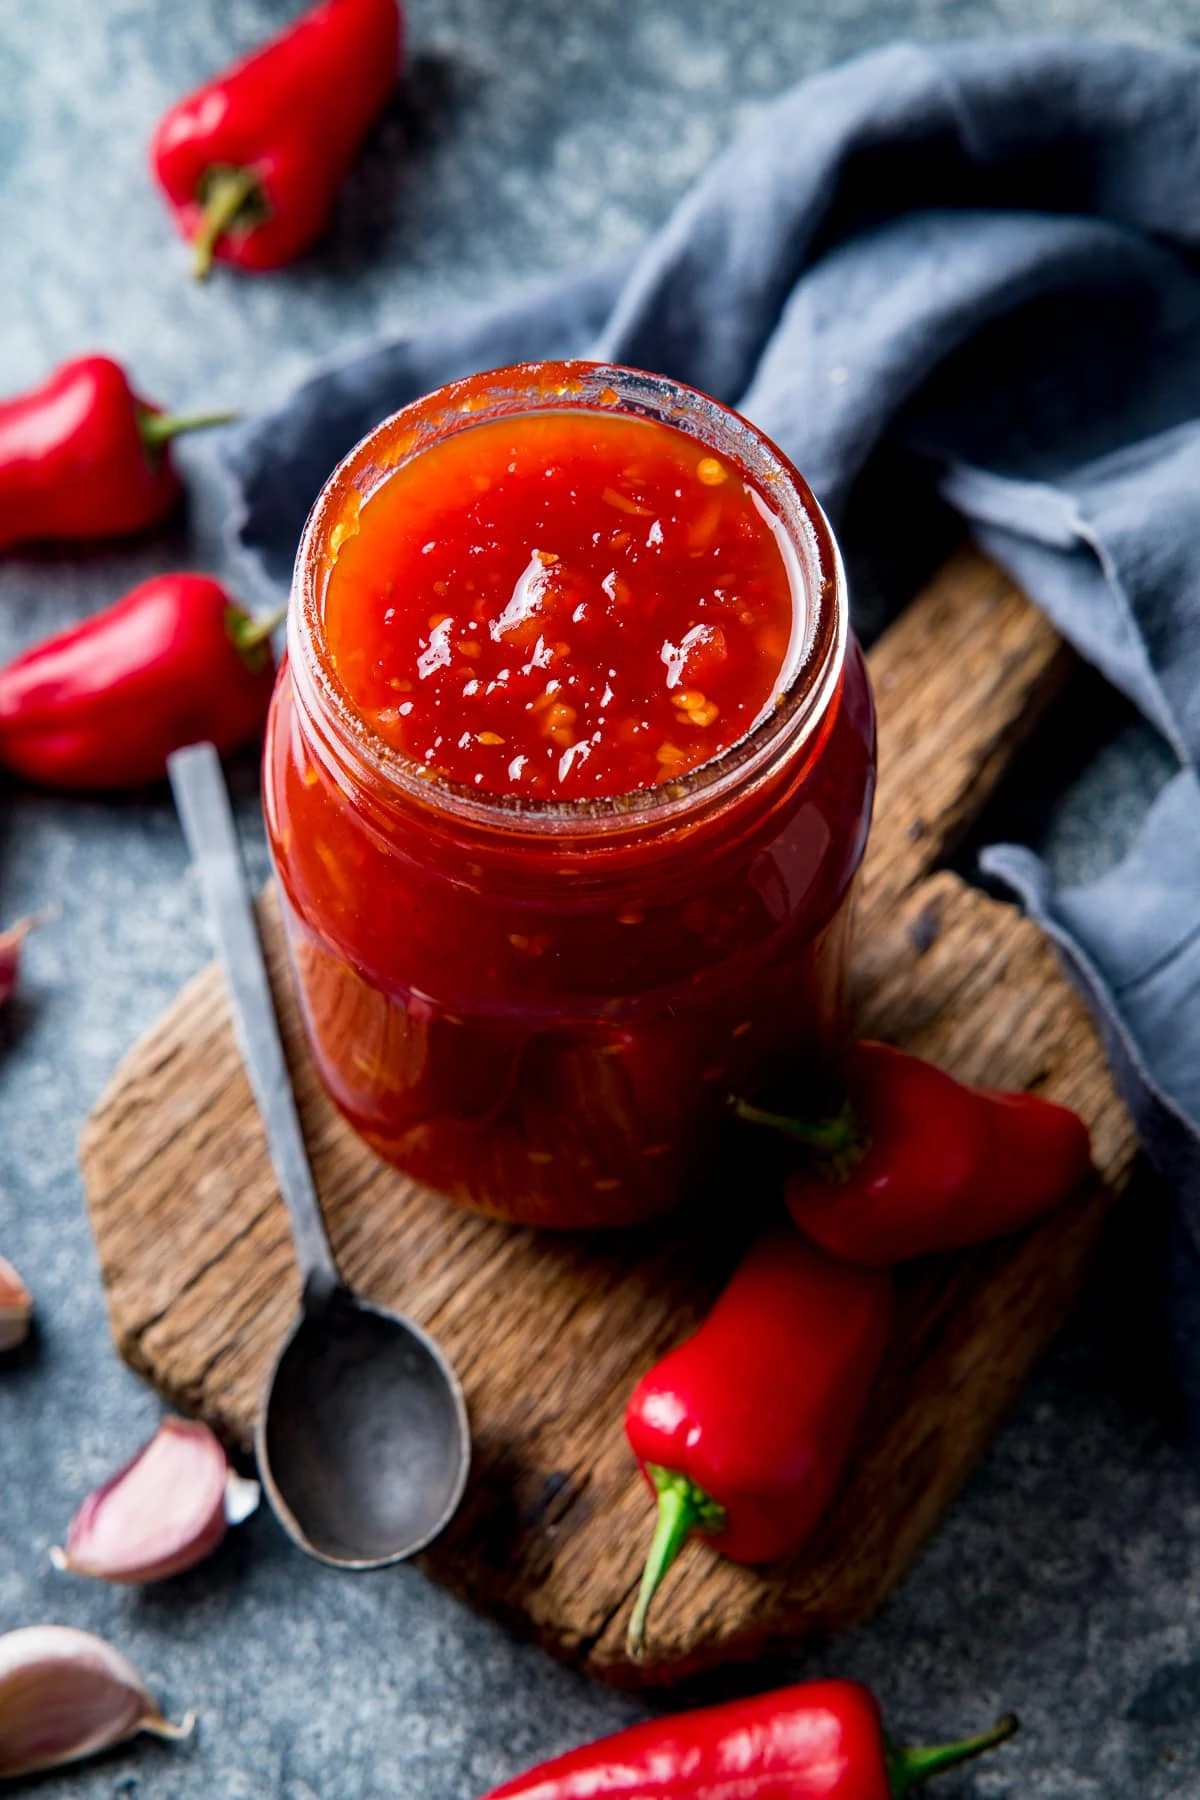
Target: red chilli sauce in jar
(568,777)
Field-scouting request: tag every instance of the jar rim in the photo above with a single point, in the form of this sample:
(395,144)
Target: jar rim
(575,385)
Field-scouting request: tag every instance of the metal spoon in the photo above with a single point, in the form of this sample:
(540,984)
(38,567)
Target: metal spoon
(362,1437)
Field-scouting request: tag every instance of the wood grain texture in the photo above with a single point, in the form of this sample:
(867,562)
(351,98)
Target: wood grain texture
(548,1333)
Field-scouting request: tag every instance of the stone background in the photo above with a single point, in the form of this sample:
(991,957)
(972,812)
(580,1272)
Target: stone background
(526,138)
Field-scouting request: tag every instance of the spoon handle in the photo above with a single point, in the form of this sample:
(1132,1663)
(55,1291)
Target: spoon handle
(200,793)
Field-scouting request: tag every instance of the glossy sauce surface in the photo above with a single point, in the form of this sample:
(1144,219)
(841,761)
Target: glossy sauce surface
(564,604)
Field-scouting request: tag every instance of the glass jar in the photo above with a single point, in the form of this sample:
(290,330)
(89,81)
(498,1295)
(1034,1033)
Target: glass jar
(541,1009)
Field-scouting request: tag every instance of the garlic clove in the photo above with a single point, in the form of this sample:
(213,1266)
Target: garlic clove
(16,1307)
(164,1511)
(10,948)
(65,1694)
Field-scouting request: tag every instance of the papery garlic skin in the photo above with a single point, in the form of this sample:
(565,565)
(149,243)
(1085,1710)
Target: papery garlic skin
(10,949)
(242,1497)
(64,1695)
(165,1511)
(16,1307)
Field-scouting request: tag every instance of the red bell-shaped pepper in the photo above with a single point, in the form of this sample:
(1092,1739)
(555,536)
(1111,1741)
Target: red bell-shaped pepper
(103,704)
(743,1431)
(251,161)
(819,1740)
(83,457)
(917,1162)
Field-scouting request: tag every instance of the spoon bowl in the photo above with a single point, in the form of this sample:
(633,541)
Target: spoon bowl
(362,1437)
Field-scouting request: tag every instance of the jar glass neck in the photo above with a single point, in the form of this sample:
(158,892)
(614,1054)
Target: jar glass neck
(364,762)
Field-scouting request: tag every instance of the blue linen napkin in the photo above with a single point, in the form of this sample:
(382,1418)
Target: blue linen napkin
(977,262)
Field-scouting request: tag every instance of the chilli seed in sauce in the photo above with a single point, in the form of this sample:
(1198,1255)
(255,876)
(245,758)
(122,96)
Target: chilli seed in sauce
(563,605)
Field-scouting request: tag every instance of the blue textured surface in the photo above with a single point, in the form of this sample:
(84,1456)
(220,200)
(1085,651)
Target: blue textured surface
(1065,1582)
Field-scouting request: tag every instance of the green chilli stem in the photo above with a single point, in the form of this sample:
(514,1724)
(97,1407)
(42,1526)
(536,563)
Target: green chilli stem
(226,193)
(908,1767)
(828,1137)
(682,1508)
(157,429)
(250,635)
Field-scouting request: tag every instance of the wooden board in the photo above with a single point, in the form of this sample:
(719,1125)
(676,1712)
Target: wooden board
(548,1333)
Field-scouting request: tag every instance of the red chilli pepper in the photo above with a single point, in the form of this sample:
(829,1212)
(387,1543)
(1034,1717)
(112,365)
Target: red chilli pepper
(819,1740)
(83,457)
(103,704)
(916,1162)
(251,161)
(743,1431)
